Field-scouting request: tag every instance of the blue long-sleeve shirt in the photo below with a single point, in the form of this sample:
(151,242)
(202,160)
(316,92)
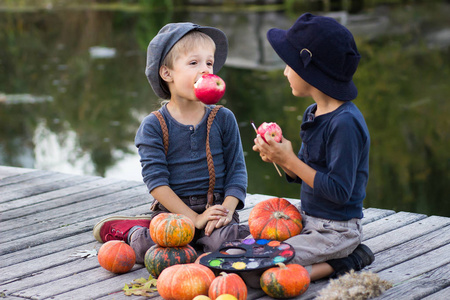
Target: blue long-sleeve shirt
(337,146)
(185,167)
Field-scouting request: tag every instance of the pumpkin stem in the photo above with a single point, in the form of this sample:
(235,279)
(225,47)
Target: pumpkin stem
(223,273)
(281,265)
(279,215)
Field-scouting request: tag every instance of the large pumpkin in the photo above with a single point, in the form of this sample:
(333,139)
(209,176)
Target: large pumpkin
(184,282)
(275,219)
(116,256)
(158,258)
(285,281)
(172,230)
(228,283)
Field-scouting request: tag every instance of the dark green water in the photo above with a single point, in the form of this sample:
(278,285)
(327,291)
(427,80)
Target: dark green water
(68,108)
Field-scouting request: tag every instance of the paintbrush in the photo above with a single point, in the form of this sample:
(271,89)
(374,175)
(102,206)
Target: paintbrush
(274,164)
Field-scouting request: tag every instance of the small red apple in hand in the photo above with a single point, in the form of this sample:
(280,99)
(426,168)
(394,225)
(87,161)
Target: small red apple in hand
(209,88)
(273,129)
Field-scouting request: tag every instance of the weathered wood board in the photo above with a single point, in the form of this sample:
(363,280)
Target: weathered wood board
(46,217)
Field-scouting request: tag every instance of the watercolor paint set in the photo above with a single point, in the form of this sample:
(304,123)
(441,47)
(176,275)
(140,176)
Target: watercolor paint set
(248,255)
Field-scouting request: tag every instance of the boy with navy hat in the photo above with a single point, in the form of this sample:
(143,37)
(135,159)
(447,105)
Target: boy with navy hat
(191,154)
(332,165)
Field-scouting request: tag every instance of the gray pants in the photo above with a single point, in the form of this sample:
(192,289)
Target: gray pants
(323,239)
(141,240)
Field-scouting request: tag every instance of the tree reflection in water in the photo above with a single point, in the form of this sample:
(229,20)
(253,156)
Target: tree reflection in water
(93,105)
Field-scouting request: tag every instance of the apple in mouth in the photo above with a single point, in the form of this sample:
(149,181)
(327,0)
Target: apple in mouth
(273,129)
(209,88)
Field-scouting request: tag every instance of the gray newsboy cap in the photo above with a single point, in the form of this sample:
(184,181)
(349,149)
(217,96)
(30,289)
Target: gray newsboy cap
(161,44)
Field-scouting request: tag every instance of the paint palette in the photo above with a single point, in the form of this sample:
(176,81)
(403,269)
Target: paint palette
(248,255)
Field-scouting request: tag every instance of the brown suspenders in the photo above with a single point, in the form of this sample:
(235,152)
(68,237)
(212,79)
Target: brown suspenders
(209,158)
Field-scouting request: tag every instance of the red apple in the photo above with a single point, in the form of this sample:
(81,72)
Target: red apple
(209,88)
(273,129)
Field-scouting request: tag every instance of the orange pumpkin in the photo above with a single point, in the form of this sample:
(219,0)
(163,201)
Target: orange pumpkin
(116,257)
(285,281)
(228,283)
(184,282)
(275,219)
(197,261)
(171,230)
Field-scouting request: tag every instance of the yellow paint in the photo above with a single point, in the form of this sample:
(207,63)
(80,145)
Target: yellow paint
(239,265)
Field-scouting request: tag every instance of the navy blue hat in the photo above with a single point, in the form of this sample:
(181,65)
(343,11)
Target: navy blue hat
(166,38)
(322,52)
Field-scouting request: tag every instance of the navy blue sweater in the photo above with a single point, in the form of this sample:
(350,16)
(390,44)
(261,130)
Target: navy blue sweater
(185,168)
(337,146)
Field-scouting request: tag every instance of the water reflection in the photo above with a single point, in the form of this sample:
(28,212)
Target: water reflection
(73,92)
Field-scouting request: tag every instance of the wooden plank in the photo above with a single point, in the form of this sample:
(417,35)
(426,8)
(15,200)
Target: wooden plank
(26,269)
(42,201)
(314,289)
(97,289)
(403,234)
(252,199)
(411,249)
(243,215)
(57,265)
(422,285)
(70,213)
(6,171)
(439,295)
(19,178)
(15,182)
(374,214)
(29,188)
(64,231)
(415,267)
(87,274)
(389,223)
(69,242)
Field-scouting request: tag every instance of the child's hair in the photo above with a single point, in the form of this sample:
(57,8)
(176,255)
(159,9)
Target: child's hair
(191,40)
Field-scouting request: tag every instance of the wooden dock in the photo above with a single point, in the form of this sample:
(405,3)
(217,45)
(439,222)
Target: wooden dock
(46,217)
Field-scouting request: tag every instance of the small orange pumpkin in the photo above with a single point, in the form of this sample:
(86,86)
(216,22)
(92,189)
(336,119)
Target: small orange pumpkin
(116,257)
(275,219)
(197,261)
(184,282)
(171,230)
(285,281)
(228,283)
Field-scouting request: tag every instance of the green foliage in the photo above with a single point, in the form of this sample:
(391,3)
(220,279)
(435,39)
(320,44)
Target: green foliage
(98,103)
(402,94)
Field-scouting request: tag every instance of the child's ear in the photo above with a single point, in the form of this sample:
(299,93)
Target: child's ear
(165,73)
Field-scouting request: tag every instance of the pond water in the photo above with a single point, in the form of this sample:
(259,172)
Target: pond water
(73,93)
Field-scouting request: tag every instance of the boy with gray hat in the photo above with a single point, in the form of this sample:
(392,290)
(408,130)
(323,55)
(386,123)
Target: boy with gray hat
(191,154)
(332,165)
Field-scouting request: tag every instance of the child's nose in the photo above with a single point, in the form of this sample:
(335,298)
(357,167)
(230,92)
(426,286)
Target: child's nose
(206,69)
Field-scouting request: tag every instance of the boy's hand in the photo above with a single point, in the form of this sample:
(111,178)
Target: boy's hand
(213,213)
(272,151)
(218,223)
